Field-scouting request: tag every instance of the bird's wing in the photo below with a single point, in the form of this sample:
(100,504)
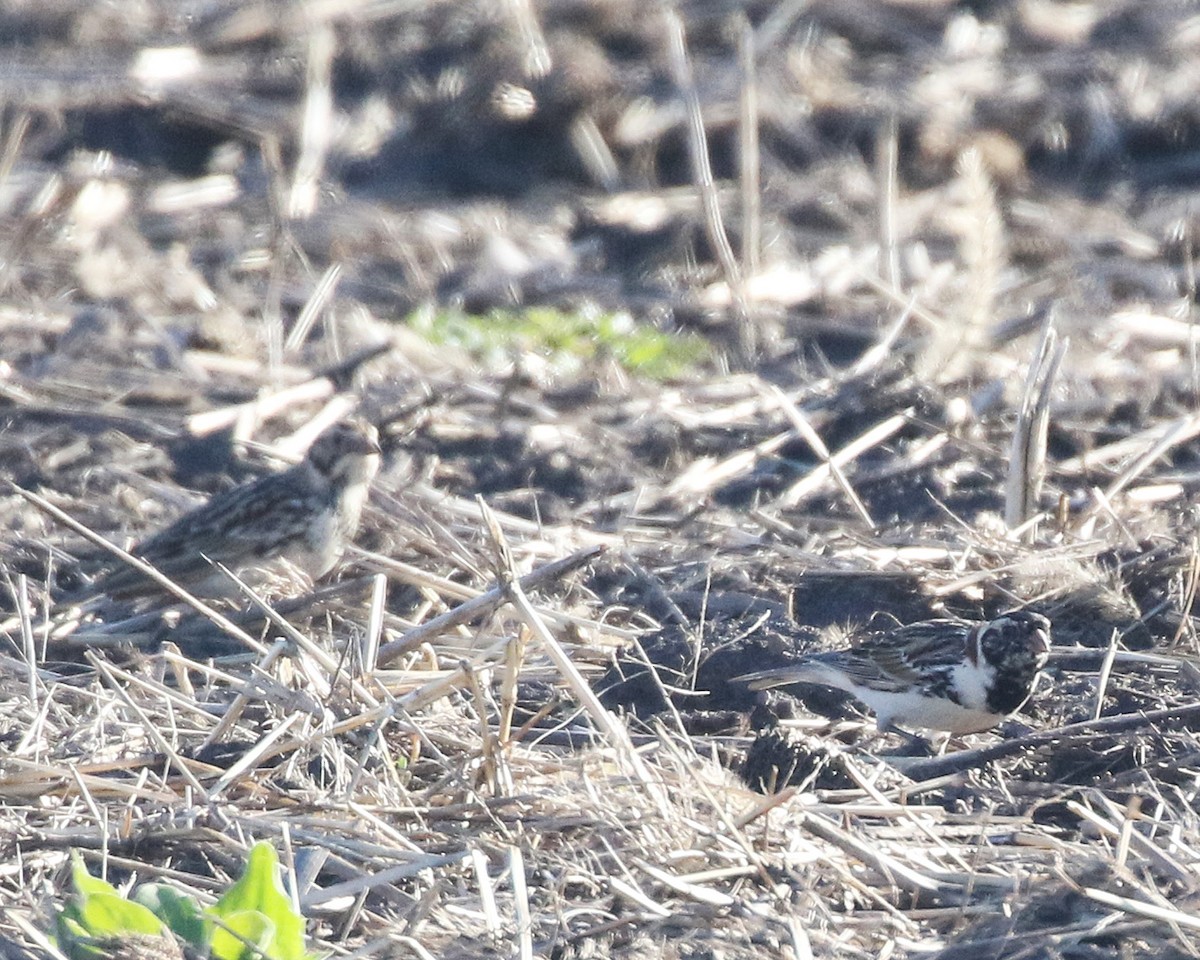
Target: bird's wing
(251,522)
(897,659)
(891,660)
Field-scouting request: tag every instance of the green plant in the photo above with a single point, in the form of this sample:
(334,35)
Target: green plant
(565,340)
(98,913)
(253,919)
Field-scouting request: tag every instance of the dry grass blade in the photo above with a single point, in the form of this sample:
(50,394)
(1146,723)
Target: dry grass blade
(821,474)
(524,917)
(514,655)
(812,438)
(1027,457)
(881,350)
(616,733)
(886,164)
(151,729)
(705,475)
(482,604)
(1154,446)
(1160,437)
(638,897)
(317,125)
(693,891)
(1191,587)
(260,409)
(801,944)
(384,878)
(594,153)
(1146,848)
(321,296)
(35,936)
(10,150)
(370,643)
(1110,656)
(327,662)
(749,158)
(244,696)
(896,872)
(252,757)
(28,646)
(1142,909)
(702,176)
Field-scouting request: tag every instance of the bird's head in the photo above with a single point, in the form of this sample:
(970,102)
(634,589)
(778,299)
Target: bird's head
(346,453)
(1016,639)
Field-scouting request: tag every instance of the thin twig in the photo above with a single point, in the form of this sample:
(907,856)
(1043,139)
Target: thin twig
(926,768)
(813,439)
(815,478)
(482,605)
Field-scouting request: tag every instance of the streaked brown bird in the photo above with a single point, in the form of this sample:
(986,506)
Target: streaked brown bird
(301,518)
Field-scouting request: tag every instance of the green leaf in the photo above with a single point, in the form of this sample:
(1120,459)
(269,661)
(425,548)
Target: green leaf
(99,912)
(69,924)
(109,915)
(85,884)
(260,889)
(246,935)
(178,911)
(72,937)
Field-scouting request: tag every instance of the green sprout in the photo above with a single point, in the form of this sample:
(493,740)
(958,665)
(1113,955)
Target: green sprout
(566,341)
(252,921)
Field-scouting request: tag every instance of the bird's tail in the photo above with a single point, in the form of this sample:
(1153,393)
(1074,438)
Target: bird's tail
(807,672)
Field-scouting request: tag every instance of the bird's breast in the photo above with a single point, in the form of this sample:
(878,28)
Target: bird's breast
(916,709)
(318,551)
(350,508)
(968,684)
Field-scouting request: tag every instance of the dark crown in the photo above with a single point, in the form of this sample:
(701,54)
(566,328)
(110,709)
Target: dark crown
(344,439)
(1020,633)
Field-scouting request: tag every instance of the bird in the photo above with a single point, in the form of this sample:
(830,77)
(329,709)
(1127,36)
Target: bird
(301,518)
(957,676)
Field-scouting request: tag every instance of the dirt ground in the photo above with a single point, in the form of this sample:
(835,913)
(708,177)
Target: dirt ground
(939,258)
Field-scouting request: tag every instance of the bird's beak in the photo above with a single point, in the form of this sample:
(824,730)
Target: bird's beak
(1039,643)
(369,442)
